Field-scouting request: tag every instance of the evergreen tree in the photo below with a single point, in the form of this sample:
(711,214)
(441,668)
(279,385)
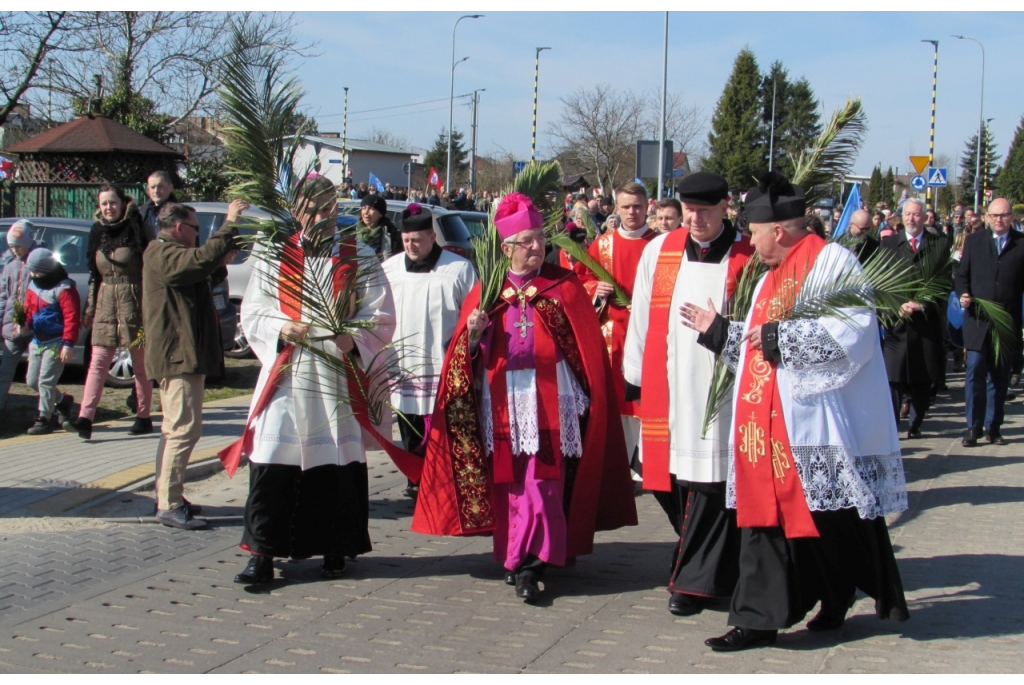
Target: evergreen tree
(438,158)
(969,164)
(737,149)
(875,188)
(889,190)
(1010,182)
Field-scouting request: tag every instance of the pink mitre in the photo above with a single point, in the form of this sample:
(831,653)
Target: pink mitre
(515,214)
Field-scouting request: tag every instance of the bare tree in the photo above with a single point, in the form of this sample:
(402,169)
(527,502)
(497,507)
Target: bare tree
(495,170)
(382,136)
(173,59)
(26,39)
(597,130)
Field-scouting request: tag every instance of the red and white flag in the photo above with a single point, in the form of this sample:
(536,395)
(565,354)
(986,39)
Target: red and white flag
(434,179)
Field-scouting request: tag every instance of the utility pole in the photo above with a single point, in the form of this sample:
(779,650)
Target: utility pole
(664,100)
(771,137)
(472,152)
(931,139)
(344,140)
(536,86)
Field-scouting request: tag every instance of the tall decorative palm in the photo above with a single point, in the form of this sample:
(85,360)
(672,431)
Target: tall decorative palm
(833,153)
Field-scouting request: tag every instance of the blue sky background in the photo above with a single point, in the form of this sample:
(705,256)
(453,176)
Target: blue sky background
(389,59)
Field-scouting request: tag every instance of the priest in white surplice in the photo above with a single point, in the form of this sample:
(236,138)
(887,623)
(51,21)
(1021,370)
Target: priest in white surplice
(428,285)
(816,463)
(308,489)
(686,471)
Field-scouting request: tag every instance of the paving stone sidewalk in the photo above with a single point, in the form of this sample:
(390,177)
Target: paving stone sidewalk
(421,604)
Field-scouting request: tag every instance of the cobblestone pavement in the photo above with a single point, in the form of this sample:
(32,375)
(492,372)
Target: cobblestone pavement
(119,594)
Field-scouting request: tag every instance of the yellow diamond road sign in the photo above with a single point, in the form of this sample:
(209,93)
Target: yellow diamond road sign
(919,162)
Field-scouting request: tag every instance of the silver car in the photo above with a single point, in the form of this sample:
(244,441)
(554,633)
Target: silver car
(69,240)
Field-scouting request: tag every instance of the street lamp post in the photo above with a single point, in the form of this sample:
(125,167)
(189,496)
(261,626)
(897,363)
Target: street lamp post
(664,100)
(981,125)
(472,150)
(344,140)
(536,85)
(451,99)
(931,139)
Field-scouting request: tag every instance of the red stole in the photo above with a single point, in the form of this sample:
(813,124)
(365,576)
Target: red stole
(290,277)
(770,494)
(654,408)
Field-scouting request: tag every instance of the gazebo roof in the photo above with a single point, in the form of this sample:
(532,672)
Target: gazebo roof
(91,133)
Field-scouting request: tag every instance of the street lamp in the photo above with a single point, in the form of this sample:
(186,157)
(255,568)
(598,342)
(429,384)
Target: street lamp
(981,123)
(536,84)
(451,99)
(931,139)
(472,150)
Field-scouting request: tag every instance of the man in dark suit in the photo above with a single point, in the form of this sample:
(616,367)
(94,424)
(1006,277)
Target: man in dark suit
(914,347)
(992,268)
(861,241)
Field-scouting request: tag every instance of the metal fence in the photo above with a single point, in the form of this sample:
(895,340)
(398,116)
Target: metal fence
(67,200)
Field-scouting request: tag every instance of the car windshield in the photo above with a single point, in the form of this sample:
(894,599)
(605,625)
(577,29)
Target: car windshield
(455,230)
(477,225)
(210,223)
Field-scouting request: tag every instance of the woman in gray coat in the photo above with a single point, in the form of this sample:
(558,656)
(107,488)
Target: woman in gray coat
(114,307)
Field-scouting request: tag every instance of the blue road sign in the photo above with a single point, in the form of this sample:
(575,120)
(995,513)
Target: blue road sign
(518,166)
(918,182)
(937,177)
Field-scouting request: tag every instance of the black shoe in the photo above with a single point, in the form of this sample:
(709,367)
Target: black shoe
(260,569)
(994,438)
(526,588)
(132,402)
(64,409)
(914,434)
(411,490)
(141,426)
(193,509)
(970,438)
(180,518)
(742,638)
(333,566)
(682,604)
(42,426)
(81,426)
(510,577)
(826,620)
(1011,396)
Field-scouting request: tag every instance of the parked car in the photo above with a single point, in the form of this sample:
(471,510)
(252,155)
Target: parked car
(69,239)
(452,233)
(476,222)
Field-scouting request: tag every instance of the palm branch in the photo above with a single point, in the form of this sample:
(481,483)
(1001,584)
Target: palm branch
(833,152)
(260,104)
(1005,335)
(491,265)
(933,280)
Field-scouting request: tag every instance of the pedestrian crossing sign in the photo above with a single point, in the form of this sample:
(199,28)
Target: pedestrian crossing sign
(937,177)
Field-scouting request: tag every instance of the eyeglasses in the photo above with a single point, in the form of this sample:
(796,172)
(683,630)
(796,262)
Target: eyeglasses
(1001,216)
(540,240)
(184,223)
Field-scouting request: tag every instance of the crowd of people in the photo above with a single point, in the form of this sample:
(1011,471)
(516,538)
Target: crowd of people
(535,405)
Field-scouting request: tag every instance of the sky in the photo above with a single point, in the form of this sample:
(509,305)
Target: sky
(388,59)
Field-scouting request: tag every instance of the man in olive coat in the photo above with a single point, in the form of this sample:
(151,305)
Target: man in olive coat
(182,341)
(914,347)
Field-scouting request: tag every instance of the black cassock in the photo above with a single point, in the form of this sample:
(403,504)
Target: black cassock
(784,578)
(323,511)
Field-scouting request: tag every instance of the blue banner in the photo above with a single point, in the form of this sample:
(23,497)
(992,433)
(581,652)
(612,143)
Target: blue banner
(375,182)
(851,206)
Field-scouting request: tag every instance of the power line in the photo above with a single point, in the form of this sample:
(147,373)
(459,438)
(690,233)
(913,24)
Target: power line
(382,109)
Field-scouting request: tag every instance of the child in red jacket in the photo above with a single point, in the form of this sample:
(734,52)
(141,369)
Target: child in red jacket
(52,312)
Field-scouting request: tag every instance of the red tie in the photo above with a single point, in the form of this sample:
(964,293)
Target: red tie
(913,244)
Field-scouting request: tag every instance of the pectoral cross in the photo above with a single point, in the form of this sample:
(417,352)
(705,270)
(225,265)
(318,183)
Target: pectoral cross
(523,324)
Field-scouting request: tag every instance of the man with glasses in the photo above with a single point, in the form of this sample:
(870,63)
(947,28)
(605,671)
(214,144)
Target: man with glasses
(183,343)
(525,440)
(861,242)
(992,268)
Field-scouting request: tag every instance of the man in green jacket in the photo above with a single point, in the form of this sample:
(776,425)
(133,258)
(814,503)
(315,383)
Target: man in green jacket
(182,342)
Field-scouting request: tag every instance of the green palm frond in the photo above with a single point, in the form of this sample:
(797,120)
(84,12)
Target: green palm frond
(491,266)
(932,277)
(833,153)
(541,183)
(579,253)
(1005,336)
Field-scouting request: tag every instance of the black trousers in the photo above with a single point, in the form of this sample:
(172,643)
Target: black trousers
(919,394)
(707,556)
(299,514)
(782,579)
(411,428)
